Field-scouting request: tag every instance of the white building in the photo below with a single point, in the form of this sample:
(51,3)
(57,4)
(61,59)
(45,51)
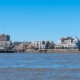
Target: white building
(68,42)
(42,44)
(5,44)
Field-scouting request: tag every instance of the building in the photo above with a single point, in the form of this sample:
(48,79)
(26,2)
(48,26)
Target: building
(22,45)
(5,43)
(42,44)
(68,42)
(4,37)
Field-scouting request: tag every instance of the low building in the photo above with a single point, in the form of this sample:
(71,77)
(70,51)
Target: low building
(68,42)
(22,45)
(5,45)
(42,44)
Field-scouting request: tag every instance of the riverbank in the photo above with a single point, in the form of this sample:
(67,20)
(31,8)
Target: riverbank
(53,51)
(44,51)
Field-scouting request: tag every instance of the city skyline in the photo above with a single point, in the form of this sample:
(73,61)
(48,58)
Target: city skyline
(32,20)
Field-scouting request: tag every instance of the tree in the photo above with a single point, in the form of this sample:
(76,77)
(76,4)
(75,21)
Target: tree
(62,47)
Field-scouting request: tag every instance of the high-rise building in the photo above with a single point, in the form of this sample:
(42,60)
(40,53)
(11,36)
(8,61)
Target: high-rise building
(4,37)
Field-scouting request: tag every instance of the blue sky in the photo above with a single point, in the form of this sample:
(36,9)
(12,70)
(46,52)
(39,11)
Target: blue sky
(31,20)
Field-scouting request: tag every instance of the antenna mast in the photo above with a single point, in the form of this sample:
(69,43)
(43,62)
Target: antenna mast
(3,29)
(68,34)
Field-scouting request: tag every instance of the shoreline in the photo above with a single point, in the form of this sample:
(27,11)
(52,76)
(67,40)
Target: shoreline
(44,51)
(53,51)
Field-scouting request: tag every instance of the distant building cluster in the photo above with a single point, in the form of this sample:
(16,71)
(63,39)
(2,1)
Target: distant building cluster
(63,43)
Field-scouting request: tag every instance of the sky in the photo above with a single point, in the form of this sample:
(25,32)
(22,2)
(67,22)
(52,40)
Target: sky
(33,20)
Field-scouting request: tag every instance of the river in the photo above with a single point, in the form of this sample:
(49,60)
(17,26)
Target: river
(43,66)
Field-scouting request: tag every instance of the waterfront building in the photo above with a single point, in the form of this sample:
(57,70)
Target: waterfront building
(18,46)
(4,37)
(22,45)
(5,43)
(42,44)
(68,42)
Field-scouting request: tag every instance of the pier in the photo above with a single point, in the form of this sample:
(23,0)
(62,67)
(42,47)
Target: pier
(5,51)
